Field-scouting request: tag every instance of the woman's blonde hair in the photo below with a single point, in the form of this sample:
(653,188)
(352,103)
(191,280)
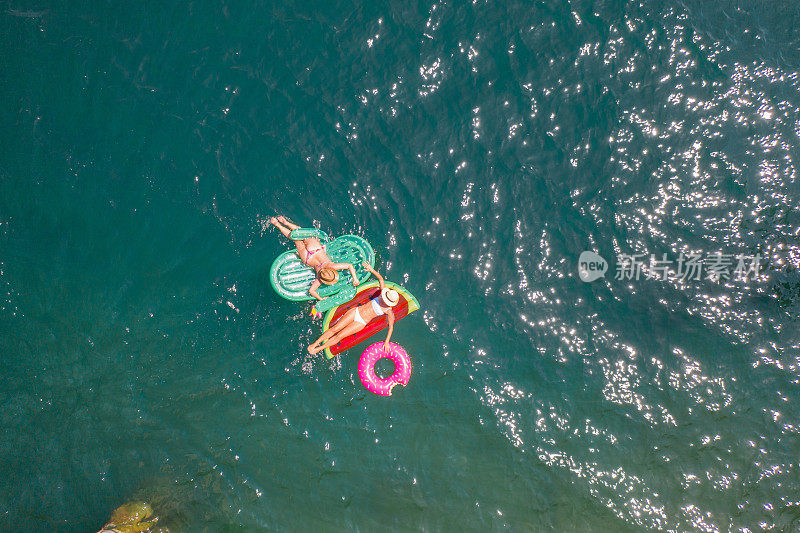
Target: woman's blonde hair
(328,275)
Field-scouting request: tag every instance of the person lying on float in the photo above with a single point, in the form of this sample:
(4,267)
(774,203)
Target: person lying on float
(312,253)
(357,319)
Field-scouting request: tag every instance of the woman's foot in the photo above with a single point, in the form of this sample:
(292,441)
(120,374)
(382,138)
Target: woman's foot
(286,222)
(276,221)
(313,350)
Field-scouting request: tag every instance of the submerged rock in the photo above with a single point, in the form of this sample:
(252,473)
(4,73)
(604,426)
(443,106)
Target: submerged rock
(133,517)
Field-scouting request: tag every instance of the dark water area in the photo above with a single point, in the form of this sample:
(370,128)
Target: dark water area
(480,147)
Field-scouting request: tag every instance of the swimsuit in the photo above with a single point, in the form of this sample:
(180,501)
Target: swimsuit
(309,253)
(376,307)
(357,318)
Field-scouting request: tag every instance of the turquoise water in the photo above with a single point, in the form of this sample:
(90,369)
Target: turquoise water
(480,147)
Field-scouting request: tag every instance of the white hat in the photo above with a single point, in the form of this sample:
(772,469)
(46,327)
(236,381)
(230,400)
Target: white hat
(390,296)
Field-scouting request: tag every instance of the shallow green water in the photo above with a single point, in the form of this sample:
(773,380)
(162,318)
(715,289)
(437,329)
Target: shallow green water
(480,147)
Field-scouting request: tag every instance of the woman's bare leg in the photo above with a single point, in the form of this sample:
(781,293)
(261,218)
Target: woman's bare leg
(340,324)
(302,251)
(290,225)
(286,228)
(353,327)
(283,229)
(330,332)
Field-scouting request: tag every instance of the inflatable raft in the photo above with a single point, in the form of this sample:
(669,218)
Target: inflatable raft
(407,305)
(291,278)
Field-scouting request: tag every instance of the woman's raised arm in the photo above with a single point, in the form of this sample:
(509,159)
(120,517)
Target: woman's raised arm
(374,273)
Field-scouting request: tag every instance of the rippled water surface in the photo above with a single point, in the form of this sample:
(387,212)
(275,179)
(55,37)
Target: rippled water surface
(480,147)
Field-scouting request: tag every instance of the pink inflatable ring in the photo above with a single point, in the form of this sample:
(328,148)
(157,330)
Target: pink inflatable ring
(366,368)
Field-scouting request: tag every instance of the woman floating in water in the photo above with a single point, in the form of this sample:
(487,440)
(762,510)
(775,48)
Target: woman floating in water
(312,253)
(356,319)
